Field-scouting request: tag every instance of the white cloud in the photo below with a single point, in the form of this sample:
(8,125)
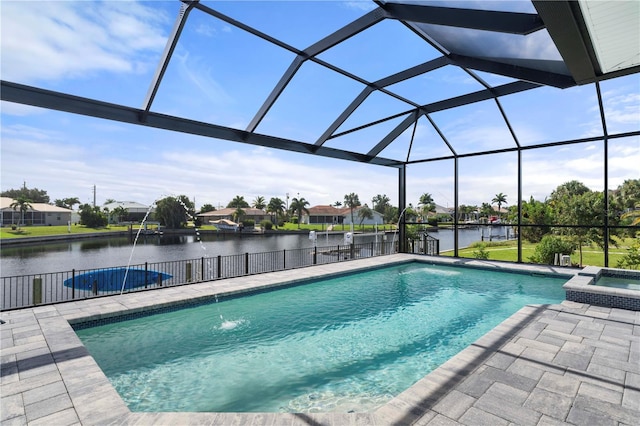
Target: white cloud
(364,5)
(19,110)
(202,77)
(206,30)
(623,109)
(46,161)
(74,39)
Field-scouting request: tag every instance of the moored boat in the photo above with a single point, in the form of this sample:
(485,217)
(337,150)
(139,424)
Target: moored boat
(225,225)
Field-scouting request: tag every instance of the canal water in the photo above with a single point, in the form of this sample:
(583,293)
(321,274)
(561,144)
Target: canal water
(116,251)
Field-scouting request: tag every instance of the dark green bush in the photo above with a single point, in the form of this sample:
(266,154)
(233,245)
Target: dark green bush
(548,247)
(266,224)
(631,260)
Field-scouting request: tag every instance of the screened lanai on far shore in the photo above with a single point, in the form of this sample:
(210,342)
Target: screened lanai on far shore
(460,99)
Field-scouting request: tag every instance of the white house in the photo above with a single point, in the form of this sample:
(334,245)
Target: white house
(377,219)
(135,211)
(338,216)
(324,214)
(41,214)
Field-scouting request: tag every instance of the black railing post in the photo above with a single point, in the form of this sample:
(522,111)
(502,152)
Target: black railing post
(284,259)
(219,266)
(188,272)
(315,255)
(37,290)
(246,263)
(73,283)
(372,249)
(146,274)
(202,269)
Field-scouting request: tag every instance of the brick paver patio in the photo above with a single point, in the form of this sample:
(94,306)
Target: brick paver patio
(569,363)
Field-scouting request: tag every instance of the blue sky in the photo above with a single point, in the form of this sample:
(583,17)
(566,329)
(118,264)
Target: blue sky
(221,74)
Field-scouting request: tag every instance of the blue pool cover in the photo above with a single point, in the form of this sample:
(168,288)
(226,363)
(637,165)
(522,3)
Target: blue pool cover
(106,280)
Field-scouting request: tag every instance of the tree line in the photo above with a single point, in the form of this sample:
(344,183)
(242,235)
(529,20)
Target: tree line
(569,205)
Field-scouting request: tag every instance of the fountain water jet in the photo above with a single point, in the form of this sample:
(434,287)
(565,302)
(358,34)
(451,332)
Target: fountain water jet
(393,241)
(135,241)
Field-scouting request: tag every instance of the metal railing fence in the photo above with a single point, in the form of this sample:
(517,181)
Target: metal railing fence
(47,288)
(424,244)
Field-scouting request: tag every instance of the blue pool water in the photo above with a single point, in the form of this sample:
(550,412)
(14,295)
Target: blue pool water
(628,283)
(349,343)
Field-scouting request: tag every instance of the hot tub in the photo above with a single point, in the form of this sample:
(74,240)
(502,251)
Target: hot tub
(610,287)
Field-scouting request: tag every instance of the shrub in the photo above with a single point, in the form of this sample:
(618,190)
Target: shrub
(92,217)
(266,224)
(249,223)
(481,253)
(631,260)
(548,247)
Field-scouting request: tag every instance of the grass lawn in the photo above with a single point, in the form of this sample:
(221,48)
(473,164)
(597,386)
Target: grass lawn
(508,251)
(43,231)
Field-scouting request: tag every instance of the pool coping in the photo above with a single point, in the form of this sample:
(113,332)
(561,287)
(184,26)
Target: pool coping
(48,377)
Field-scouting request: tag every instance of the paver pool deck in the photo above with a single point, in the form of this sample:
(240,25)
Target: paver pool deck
(568,363)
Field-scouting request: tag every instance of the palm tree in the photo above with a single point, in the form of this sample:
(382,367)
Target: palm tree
(298,205)
(120,213)
(67,203)
(277,207)
(499,199)
(238,202)
(633,215)
(258,203)
(364,213)
(380,203)
(352,201)
(23,203)
(337,204)
(426,201)
(238,214)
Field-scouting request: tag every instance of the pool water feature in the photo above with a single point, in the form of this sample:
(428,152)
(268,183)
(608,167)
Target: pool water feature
(348,343)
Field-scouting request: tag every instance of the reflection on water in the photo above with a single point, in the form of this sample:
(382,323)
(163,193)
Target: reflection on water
(115,251)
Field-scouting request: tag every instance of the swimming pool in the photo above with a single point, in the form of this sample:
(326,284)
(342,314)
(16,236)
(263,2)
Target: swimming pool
(348,343)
